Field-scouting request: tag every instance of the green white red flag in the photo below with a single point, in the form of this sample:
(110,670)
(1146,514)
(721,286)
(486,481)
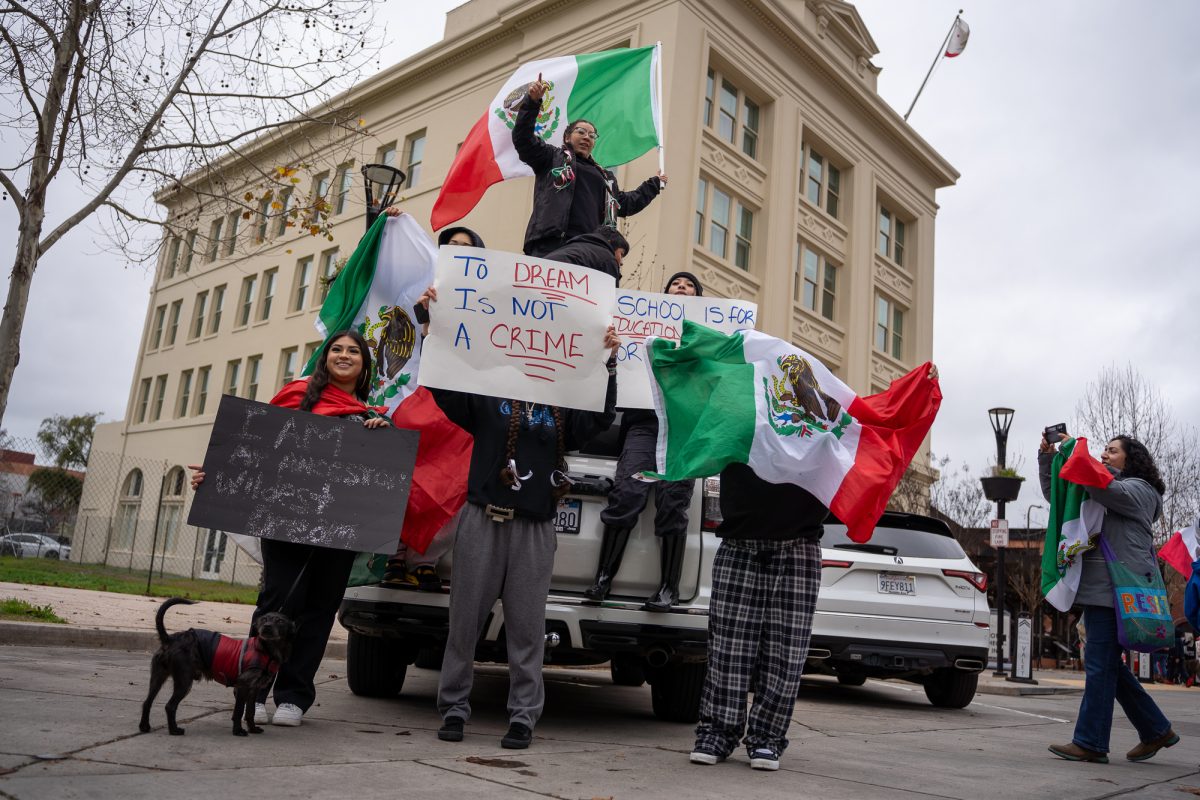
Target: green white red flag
(1075,520)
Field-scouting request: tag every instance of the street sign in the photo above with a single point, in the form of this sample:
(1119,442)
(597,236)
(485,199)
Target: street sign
(999,533)
(1023,658)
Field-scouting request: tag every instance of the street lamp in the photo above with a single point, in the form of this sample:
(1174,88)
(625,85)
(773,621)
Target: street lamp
(999,489)
(1027,510)
(383,182)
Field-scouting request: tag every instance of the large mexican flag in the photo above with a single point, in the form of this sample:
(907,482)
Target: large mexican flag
(1074,520)
(618,90)
(374,294)
(753,399)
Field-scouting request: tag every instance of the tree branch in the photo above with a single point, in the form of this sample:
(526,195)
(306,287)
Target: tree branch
(13,192)
(21,75)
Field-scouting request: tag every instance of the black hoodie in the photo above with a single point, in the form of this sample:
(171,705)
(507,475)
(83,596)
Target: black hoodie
(589,250)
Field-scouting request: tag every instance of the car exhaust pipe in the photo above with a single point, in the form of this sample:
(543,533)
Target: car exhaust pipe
(968,664)
(659,656)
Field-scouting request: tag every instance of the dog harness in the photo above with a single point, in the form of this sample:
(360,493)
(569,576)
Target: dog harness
(234,656)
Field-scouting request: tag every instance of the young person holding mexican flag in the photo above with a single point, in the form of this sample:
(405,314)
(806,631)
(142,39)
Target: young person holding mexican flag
(1118,497)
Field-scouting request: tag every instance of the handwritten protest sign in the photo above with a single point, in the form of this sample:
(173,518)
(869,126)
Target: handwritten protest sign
(295,476)
(516,326)
(639,315)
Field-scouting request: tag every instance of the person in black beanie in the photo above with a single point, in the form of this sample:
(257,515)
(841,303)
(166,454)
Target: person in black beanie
(603,249)
(627,500)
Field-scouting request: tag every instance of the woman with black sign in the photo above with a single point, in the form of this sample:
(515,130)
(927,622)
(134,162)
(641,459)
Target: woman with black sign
(305,581)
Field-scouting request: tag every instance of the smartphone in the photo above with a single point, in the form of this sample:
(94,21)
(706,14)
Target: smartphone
(421,313)
(1055,433)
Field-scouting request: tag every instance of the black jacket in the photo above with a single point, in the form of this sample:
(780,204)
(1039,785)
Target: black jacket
(588,250)
(486,418)
(547,228)
(752,508)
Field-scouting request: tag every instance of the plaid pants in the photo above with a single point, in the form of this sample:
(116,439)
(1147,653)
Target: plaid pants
(759,626)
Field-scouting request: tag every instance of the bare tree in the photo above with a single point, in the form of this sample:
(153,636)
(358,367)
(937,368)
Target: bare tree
(1122,401)
(101,100)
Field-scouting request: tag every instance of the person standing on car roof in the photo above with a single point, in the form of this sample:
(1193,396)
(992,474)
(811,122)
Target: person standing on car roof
(765,578)
(627,500)
(505,542)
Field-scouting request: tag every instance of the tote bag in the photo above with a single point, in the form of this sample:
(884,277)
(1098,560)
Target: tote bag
(1144,619)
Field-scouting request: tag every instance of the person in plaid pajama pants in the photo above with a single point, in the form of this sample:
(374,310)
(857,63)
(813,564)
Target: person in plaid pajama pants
(766,575)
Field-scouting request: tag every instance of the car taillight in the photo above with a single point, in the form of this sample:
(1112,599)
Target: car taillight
(976,579)
(710,504)
(827,563)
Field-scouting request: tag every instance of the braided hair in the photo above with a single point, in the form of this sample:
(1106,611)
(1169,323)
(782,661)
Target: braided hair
(1139,463)
(320,376)
(507,476)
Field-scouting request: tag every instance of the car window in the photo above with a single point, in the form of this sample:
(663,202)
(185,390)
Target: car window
(606,444)
(914,544)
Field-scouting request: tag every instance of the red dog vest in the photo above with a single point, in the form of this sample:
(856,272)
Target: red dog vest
(233,656)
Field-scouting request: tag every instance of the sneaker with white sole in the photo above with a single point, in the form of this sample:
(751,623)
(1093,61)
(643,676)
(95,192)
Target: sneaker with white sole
(261,717)
(760,758)
(705,757)
(287,715)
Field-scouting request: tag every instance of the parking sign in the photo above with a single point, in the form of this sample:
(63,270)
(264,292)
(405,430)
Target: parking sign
(999,533)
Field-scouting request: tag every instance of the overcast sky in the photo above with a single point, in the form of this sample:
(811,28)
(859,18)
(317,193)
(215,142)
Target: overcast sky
(1070,242)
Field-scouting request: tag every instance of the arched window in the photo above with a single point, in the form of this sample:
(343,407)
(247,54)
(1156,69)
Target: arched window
(127,510)
(171,513)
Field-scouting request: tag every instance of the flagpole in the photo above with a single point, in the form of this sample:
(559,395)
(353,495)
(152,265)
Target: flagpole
(940,55)
(662,154)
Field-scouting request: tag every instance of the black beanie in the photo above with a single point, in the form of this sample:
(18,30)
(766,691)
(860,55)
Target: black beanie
(444,236)
(695,282)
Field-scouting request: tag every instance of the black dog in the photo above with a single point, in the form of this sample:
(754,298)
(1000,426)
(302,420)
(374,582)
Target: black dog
(248,665)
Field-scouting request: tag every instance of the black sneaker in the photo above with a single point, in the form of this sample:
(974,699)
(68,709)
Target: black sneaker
(764,758)
(518,737)
(452,729)
(702,755)
(427,579)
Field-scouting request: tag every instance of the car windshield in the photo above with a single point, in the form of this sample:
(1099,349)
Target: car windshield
(891,541)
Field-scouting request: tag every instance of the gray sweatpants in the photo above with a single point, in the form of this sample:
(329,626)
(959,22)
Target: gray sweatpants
(510,561)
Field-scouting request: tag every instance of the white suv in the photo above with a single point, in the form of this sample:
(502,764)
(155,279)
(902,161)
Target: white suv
(918,620)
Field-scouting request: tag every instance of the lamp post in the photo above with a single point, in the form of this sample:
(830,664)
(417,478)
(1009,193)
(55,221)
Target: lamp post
(382,183)
(1039,616)
(1000,489)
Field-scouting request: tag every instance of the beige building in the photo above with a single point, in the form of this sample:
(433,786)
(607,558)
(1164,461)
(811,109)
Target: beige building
(792,184)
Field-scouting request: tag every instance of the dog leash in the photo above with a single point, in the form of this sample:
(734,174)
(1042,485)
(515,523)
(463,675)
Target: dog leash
(295,583)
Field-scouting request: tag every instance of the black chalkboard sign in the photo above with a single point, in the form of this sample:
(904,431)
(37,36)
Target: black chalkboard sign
(296,476)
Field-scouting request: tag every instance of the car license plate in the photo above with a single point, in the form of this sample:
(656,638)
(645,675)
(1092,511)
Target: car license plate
(570,510)
(897,584)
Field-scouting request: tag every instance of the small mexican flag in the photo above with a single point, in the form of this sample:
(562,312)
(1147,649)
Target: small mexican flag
(752,399)
(617,90)
(1075,520)
(1180,550)
(374,294)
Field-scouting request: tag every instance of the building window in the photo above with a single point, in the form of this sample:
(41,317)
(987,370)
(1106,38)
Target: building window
(201,391)
(285,208)
(288,360)
(720,215)
(321,186)
(173,321)
(311,348)
(143,400)
(233,224)
(233,377)
(816,281)
(214,552)
(821,182)
(249,288)
(214,240)
(268,294)
(185,393)
(304,269)
(889,327)
(264,220)
(156,331)
(892,231)
(172,257)
(127,511)
(160,394)
(218,305)
(191,250)
(170,513)
(199,311)
(724,105)
(253,367)
(414,150)
(386,154)
(328,270)
(345,180)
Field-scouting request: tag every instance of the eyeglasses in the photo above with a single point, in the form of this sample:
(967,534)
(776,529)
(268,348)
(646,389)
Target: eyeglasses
(586,134)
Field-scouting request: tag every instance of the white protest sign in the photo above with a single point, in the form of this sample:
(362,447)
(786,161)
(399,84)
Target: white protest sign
(642,314)
(509,325)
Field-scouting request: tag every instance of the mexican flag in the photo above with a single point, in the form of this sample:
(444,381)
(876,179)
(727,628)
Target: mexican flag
(753,399)
(1075,520)
(1180,550)
(618,90)
(374,294)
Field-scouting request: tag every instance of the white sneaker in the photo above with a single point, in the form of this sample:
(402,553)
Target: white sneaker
(261,717)
(287,715)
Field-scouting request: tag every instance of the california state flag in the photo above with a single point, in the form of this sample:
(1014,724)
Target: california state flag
(1075,519)
(1180,550)
(617,90)
(752,399)
(374,294)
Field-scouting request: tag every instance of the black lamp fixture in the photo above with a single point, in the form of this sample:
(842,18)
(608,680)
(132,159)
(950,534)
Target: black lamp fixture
(382,183)
(1001,419)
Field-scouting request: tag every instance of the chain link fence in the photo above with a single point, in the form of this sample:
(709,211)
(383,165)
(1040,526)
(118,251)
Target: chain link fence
(121,511)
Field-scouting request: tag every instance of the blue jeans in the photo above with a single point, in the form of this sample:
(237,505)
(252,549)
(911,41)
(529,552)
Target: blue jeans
(1108,679)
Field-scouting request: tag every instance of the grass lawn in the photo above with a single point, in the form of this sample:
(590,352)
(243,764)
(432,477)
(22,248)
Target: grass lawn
(101,578)
(22,611)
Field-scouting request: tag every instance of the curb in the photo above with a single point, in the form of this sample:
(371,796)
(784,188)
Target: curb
(1025,690)
(44,634)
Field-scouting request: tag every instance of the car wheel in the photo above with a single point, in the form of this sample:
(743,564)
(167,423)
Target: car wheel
(375,666)
(430,658)
(52,554)
(627,670)
(846,678)
(675,692)
(951,688)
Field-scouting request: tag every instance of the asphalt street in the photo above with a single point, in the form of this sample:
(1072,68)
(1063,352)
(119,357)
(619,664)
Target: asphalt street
(70,731)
